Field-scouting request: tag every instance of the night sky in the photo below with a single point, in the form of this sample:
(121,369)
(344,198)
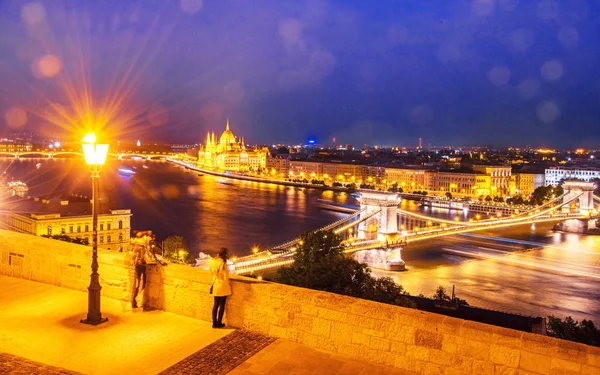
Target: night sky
(481,72)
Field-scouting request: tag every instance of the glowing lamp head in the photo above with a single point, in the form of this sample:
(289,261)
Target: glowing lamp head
(95,154)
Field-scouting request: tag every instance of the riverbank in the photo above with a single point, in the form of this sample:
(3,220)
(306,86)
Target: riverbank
(258,179)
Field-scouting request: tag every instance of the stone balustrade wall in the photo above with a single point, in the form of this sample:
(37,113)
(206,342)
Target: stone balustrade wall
(417,341)
(63,264)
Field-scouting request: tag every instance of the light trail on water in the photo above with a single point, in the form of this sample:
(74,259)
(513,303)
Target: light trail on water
(505,259)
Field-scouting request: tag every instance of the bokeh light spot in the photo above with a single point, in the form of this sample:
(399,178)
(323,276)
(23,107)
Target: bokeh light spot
(552,70)
(548,111)
(499,75)
(191,6)
(290,31)
(521,40)
(33,13)
(483,8)
(529,88)
(170,191)
(568,37)
(49,66)
(15,117)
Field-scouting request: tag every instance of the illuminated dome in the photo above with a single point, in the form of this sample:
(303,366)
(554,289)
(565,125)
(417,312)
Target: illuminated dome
(227,137)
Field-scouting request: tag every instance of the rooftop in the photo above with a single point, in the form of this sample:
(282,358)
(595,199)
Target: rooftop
(66,206)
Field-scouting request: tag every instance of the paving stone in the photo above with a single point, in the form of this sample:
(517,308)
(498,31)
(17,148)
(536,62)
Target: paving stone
(222,356)
(15,365)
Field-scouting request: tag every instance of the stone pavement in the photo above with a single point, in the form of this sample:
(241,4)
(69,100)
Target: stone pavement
(223,355)
(40,322)
(284,357)
(13,365)
(40,333)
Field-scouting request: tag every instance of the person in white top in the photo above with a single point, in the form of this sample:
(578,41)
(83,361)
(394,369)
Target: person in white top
(220,288)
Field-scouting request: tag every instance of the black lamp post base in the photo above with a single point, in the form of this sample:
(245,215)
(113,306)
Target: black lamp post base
(94,322)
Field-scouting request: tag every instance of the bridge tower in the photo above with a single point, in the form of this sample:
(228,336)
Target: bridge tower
(582,189)
(582,195)
(379,221)
(384,225)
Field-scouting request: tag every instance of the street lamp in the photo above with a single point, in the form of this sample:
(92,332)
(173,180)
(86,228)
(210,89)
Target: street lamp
(95,156)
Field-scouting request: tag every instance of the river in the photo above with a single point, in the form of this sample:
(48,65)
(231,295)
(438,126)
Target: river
(528,270)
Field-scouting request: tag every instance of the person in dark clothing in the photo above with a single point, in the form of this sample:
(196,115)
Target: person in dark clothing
(141,251)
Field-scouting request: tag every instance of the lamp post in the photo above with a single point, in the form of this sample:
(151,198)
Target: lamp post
(95,156)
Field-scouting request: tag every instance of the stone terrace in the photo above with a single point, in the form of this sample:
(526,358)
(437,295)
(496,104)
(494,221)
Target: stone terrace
(407,339)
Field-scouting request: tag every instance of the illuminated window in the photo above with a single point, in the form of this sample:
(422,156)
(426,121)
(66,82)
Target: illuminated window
(120,237)
(120,224)
(78,228)
(108,239)
(101,226)
(87,228)
(101,239)
(49,230)
(70,229)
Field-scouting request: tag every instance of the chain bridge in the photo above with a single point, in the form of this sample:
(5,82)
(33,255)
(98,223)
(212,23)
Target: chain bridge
(52,154)
(377,233)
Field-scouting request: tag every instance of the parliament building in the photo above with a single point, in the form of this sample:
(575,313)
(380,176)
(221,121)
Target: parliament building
(229,154)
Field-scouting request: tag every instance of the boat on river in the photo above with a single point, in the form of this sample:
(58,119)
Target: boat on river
(18,187)
(126,171)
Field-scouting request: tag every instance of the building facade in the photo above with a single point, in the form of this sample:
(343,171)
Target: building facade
(553,176)
(229,154)
(407,179)
(500,179)
(114,226)
(526,183)
(470,184)
(278,167)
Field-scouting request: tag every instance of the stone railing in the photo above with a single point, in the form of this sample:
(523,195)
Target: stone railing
(63,264)
(422,342)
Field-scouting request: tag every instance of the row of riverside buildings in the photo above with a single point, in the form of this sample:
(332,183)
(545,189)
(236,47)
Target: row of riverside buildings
(480,180)
(227,153)
(72,217)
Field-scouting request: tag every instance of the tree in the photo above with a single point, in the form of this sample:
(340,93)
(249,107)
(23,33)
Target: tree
(488,198)
(572,330)
(176,249)
(441,295)
(448,195)
(320,263)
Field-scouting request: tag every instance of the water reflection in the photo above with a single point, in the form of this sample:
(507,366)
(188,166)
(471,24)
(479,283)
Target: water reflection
(171,200)
(525,270)
(517,270)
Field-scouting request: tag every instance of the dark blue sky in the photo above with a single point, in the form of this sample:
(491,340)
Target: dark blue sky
(495,72)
